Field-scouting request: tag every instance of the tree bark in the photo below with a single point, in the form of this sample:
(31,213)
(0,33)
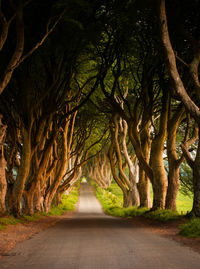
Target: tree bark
(144,183)
(196,182)
(3,185)
(173,161)
(160,182)
(22,173)
(3,182)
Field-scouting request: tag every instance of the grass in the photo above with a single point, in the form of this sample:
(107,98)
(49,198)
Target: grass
(5,221)
(33,217)
(191,228)
(112,200)
(112,204)
(68,203)
(183,202)
(162,215)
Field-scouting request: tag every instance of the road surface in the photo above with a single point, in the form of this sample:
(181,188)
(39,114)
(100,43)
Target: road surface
(92,240)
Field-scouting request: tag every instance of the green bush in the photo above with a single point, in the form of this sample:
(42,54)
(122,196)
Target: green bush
(191,228)
(162,215)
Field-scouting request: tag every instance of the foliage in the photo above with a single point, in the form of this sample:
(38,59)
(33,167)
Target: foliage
(115,189)
(191,228)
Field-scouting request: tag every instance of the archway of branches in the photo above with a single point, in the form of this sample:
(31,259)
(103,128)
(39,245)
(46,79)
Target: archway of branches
(98,88)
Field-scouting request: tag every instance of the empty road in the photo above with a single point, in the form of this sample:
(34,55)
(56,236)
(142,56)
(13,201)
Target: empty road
(92,240)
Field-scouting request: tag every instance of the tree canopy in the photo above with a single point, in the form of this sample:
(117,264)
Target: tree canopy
(106,89)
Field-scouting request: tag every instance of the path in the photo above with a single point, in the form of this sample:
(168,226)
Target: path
(92,240)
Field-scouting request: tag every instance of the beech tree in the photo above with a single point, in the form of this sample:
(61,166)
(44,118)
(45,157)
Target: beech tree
(190,104)
(90,94)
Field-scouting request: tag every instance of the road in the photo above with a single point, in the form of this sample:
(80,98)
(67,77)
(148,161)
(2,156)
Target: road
(92,240)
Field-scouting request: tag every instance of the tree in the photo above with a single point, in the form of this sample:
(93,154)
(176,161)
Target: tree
(190,104)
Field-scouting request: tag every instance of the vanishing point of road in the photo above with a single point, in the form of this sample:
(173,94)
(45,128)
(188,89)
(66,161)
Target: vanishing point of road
(92,240)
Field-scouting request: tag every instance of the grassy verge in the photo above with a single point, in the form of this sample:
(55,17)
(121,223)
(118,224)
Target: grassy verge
(4,221)
(112,199)
(68,203)
(184,203)
(191,228)
(112,204)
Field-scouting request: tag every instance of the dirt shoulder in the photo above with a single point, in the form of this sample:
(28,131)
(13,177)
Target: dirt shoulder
(14,234)
(169,230)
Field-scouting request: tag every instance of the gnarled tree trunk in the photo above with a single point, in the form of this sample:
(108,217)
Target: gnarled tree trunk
(144,183)
(160,182)
(23,172)
(3,182)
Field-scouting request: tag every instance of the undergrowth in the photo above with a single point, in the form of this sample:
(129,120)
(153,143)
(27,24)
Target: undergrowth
(191,228)
(112,205)
(5,221)
(68,203)
(162,215)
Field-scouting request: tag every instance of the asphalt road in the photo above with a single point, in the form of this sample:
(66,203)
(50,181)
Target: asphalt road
(92,240)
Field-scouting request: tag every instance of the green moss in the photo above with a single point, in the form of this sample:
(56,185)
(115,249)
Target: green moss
(191,228)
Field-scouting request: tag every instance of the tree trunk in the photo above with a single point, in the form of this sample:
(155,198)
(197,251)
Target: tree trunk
(173,161)
(3,184)
(57,199)
(144,183)
(3,181)
(47,203)
(196,182)
(22,173)
(173,187)
(38,200)
(144,189)
(28,207)
(127,198)
(159,176)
